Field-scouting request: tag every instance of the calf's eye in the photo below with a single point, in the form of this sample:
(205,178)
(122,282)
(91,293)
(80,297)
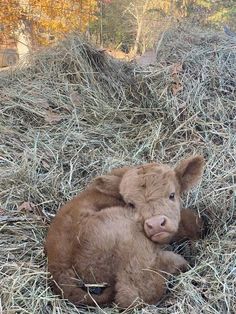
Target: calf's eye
(172,196)
(131,205)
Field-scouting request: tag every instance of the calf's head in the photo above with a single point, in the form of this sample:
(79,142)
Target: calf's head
(154,190)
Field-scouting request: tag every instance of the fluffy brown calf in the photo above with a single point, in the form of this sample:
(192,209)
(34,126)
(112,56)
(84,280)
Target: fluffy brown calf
(122,245)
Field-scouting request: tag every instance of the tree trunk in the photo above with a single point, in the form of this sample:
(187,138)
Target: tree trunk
(137,39)
(140,20)
(101,23)
(23,34)
(23,41)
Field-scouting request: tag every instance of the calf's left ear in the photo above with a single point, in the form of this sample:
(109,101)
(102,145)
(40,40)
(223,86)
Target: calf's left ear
(189,172)
(107,184)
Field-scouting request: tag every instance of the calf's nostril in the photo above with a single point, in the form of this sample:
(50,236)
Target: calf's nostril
(163,222)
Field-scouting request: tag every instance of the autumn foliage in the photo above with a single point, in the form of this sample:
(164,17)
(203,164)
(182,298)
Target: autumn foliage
(45,20)
(131,25)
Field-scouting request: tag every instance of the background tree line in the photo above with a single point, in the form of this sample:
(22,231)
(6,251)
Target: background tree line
(130,25)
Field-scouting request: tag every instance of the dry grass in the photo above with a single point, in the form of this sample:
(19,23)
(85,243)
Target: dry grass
(73,112)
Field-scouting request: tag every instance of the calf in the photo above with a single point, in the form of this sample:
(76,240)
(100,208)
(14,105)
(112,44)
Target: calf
(122,245)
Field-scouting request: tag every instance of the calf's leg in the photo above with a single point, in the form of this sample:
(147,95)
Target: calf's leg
(67,285)
(191,227)
(126,293)
(137,285)
(172,263)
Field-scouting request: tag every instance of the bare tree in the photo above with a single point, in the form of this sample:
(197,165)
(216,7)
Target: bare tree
(149,17)
(138,10)
(23,34)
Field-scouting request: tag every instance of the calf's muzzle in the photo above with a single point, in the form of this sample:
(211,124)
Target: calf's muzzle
(159,227)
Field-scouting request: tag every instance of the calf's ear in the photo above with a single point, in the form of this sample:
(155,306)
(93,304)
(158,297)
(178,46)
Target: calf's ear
(119,172)
(108,184)
(189,172)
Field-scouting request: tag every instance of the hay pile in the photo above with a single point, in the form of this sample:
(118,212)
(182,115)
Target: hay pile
(73,112)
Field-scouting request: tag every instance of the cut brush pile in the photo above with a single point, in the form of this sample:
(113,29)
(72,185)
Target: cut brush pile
(72,112)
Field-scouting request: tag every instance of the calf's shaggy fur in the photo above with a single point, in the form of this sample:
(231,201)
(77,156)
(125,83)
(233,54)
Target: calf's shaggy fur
(122,245)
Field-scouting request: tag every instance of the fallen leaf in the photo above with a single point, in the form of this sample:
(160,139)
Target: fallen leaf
(43,103)
(45,164)
(176,88)
(177,68)
(52,117)
(26,206)
(75,98)
(176,84)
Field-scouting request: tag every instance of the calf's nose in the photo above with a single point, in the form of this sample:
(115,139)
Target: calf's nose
(155,224)
(159,222)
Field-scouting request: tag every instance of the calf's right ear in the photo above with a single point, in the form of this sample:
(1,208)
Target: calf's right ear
(108,184)
(189,172)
